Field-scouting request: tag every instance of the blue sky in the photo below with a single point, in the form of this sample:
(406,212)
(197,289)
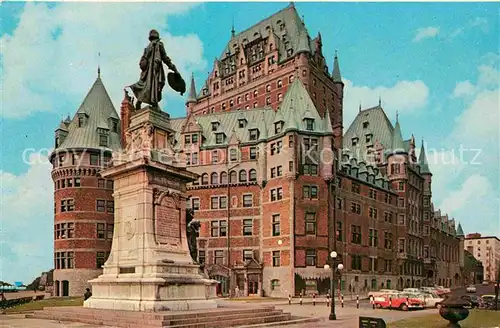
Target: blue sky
(434,63)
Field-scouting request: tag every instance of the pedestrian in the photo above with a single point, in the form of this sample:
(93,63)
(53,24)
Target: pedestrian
(328,300)
(314,299)
(300,299)
(289,299)
(237,291)
(87,294)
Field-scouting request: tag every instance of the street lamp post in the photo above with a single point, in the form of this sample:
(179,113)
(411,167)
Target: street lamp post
(333,281)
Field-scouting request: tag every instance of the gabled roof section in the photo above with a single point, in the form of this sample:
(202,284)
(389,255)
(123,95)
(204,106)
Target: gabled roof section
(98,109)
(285,22)
(378,124)
(422,160)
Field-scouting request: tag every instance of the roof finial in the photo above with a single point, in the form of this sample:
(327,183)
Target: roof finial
(336,53)
(379,101)
(233,33)
(397,116)
(360,107)
(303,20)
(99,65)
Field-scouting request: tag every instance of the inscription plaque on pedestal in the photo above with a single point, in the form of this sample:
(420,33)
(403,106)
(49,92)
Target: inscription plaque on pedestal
(167,223)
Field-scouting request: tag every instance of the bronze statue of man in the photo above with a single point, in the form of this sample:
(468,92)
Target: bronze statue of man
(152,80)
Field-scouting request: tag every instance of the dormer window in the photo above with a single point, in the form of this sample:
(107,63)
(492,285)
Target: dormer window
(215,126)
(254,134)
(278,126)
(194,139)
(365,125)
(80,121)
(354,141)
(368,138)
(309,124)
(114,126)
(219,138)
(242,123)
(103,140)
(187,139)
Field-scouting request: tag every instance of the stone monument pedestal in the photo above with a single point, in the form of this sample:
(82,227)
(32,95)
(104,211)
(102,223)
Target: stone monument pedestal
(150,267)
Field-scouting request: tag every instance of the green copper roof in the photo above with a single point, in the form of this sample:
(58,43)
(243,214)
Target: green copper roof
(372,120)
(287,26)
(422,160)
(460,231)
(296,105)
(336,69)
(397,139)
(97,110)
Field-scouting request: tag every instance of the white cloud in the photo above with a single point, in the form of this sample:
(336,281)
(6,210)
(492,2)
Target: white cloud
(464,89)
(476,204)
(404,96)
(426,33)
(477,22)
(50,69)
(26,204)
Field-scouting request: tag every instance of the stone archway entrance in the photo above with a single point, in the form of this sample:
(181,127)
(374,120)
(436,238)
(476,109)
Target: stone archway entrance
(220,273)
(65,288)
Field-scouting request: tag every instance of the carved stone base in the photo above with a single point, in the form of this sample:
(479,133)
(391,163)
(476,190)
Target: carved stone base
(172,287)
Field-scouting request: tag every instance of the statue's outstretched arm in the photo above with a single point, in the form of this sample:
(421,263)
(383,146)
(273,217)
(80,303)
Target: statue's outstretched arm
(166,59)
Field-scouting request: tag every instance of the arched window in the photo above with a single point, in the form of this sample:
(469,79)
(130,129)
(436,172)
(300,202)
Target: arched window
(204,179)
(252,175)
(223,178)
(243,176)
(214,178)
(233,177)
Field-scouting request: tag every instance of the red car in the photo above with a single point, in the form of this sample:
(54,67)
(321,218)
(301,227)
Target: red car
(398,301)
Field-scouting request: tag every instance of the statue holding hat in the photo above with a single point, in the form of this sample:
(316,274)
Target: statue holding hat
(152,79)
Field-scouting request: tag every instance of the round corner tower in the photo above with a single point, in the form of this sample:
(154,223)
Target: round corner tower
(83,201)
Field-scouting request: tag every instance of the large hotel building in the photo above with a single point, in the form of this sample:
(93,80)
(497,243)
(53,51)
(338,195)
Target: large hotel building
(281,184)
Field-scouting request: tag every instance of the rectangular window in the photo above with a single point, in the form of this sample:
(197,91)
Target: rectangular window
(356,262)
(233,155)
(222,202)
(214,203)
(109,184)
(372,193)
(77,182)
(253,152)
(373,264)
(276,259)
(187,139)
(194,159)
(310,223)
(401,202)
(70,183)
(339,203)
(194,139)
(355,188)
(219,257)
(279,171)
(101,231)
(110,206)
(273,172)
(247,254)
(290,166)
(201,257)
(109,231)
(388,199)
(401,186)
(103,140)
(70,232)
(309,124)
(94,159)
(214,227)
(219,138)
(247,200)
(356,234)
(340,231)
(247,227)
(61,160)
(195,204)
(373,213)
(402,220)
(387,240)
(254,134)
(222,228)
(67,205)
(101,183)
(401,245)
(276,225)
(388,265)
(355,208)
(215,157)
(310,257)
(101,205)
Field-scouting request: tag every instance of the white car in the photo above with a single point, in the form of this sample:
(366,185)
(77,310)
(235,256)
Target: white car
(471,289)
(412,290)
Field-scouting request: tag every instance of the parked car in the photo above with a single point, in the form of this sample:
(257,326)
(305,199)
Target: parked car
(441,290)
(486,282)
(428,289)
(471,289)
(432,300)
(475,301)
(382,292)
(411,290)
(488,298)
(398,301)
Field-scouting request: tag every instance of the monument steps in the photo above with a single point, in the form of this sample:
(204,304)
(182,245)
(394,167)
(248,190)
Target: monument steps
(212,318)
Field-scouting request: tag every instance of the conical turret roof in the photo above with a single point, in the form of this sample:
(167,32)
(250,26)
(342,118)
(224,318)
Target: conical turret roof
(192,92)
(422,160)
(460,231)
(397,138)
(98,109)
(336,69)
